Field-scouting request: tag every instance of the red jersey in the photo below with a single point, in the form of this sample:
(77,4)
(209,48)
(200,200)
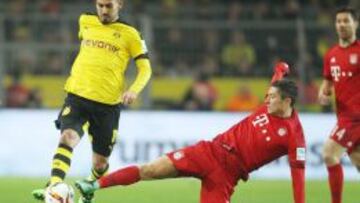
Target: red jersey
(342,67)
(261,138)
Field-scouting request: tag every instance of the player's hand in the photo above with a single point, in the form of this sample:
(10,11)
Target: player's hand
(281,69)
(324,99)
(129,97)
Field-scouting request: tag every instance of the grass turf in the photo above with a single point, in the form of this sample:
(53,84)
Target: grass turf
(18,190)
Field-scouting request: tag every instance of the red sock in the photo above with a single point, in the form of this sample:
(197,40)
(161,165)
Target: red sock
(336,181)
(125,176)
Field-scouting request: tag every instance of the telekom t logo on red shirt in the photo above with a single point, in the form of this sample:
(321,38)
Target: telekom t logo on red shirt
(335,72)
(260,120)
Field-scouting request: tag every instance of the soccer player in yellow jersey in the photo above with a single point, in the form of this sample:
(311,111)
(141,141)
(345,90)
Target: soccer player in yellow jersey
(95,89)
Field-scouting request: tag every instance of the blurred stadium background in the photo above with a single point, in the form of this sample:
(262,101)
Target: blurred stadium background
(210,56)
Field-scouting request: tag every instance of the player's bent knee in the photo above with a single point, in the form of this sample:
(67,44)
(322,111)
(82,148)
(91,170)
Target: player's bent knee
(329,158)
(70,138)
(332,152)
(100,165)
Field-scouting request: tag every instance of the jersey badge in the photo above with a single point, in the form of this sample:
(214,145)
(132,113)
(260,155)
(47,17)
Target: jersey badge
(353,59)
(282,131)
(178,155)
(116,35)
(300,154)
(66,111)
(333,59)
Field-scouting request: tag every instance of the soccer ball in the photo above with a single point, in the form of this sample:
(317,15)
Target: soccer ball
(59,193)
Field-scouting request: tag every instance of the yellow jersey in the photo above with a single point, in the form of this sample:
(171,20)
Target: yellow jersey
(98,71)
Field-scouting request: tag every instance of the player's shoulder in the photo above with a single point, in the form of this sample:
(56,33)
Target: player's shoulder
(295,117)
(357,44)
(259,111)
(88,17)
(335,48)
(295,123)
(126,26)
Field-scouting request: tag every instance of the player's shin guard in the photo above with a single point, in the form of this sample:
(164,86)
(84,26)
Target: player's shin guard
(96,174)
(61,163)
(125,176)
(336,181)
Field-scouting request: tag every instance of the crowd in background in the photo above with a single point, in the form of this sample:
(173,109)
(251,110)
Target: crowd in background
(232,41)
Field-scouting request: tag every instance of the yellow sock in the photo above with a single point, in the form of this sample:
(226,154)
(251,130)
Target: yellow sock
(61,163)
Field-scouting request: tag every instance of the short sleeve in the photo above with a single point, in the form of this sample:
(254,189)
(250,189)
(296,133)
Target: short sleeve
(80,34)
(137,45)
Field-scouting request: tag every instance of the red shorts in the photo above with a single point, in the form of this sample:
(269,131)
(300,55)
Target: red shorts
(217,167)
(347,134)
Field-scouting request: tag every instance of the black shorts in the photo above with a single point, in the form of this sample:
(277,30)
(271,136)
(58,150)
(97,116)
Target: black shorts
(103,121)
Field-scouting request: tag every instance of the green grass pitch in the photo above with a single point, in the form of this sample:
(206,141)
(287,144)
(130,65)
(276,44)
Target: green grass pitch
(17,190)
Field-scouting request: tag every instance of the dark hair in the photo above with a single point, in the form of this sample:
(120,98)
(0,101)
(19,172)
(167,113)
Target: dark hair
(287,89)
(348,10)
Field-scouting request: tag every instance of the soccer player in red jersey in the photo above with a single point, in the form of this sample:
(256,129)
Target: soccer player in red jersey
(342,72)
(270,132)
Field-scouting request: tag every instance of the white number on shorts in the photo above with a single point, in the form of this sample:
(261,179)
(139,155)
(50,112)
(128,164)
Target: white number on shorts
(340,134)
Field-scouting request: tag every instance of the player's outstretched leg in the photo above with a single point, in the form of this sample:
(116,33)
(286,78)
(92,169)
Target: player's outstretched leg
(123,176)
(158,169)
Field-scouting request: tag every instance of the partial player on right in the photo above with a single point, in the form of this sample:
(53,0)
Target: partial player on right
(342,72)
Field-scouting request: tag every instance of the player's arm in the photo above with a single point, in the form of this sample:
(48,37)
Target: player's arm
(327,83)
(82,21)
(297,155)
(281,70)
(298,184)
(139,52)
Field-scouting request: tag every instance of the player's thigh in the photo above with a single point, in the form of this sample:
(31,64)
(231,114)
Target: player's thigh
(337,143)
(345,134)
(73,115)
(216,190)
(99,161)
(333,149)
(103,129)
(160,168)
(196,160)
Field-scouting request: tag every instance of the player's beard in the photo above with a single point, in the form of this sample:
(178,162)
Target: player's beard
(105,19)
(345,35)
